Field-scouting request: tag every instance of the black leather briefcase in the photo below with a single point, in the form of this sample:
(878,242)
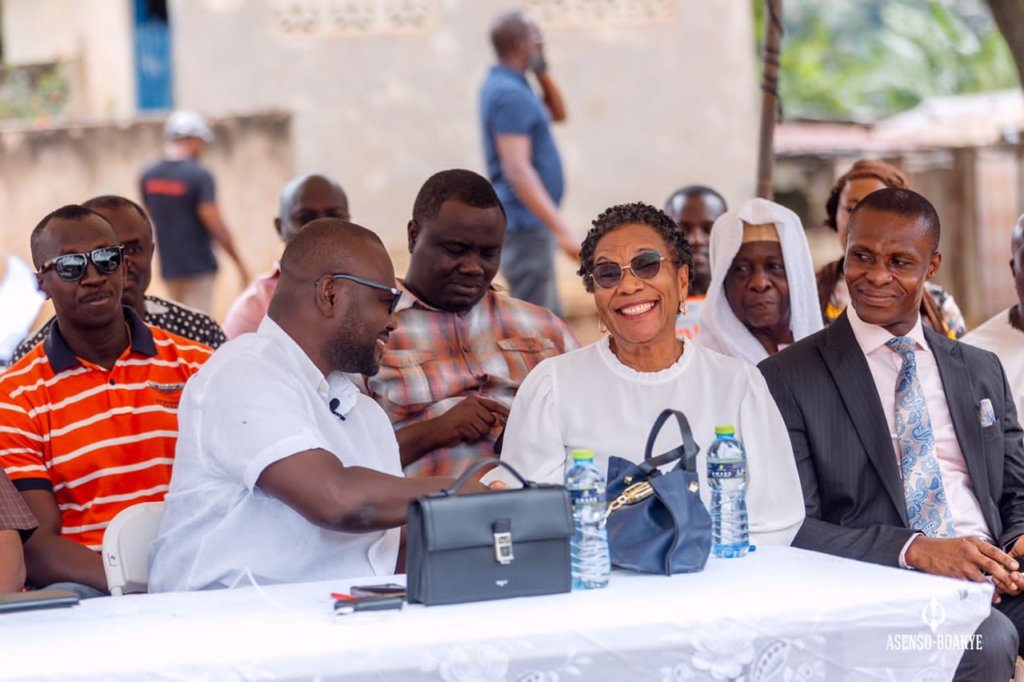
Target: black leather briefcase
(493,545)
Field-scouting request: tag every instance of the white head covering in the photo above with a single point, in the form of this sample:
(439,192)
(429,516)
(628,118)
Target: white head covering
(720,329)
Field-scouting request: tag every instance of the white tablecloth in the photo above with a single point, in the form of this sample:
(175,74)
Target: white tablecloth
(779,614)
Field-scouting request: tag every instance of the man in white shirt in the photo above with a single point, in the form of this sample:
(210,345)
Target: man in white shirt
(284,472)
(1004,333)
(907,443)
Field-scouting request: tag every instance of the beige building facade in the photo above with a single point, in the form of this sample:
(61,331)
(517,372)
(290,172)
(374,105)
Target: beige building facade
(383,93)
(90,39)
(660,93)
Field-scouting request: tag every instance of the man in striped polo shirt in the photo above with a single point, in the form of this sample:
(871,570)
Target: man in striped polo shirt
(88,418)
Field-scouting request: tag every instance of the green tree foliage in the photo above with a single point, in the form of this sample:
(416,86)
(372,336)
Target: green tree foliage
(863,59)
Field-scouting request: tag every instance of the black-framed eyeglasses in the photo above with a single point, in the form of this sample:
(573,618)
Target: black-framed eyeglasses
(646,265)
(71,267)
(395,293)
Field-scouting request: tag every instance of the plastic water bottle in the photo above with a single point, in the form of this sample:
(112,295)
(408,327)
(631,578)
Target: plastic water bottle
(727,477)
(590,561)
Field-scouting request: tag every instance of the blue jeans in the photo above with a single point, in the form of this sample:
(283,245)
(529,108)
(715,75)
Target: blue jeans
(528,263)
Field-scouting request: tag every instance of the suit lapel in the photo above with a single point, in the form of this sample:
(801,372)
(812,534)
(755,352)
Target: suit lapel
(963,408)
(850,371)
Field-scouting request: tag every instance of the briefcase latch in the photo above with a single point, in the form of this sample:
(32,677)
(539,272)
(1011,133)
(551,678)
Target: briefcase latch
(503,542)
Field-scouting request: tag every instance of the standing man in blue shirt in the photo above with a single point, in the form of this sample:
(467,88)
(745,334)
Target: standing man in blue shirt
(523,162)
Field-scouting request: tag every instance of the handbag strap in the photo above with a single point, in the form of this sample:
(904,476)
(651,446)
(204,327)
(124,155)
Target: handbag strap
(477,467)
(687,452)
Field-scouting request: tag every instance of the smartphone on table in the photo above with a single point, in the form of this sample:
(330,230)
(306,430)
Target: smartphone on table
(383,590)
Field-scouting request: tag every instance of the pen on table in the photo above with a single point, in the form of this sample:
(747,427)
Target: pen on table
(346,606)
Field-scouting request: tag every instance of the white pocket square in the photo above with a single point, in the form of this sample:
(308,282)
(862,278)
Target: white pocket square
(986,415)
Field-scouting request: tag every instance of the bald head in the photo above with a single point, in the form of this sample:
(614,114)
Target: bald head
(1017,239)
(326,246)
(341,322)
(307,198)
(696,195)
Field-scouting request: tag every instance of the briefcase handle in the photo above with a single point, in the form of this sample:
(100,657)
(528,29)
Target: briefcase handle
(687,452)
(477,467)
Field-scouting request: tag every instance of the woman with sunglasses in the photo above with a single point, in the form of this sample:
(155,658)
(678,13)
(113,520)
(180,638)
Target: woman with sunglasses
(605,397)
(762,296)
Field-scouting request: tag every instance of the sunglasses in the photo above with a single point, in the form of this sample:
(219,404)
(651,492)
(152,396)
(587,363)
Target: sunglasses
(71,267)
(645,266)
(395,293)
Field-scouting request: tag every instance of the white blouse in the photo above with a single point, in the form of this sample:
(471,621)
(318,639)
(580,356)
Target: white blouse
(588,399)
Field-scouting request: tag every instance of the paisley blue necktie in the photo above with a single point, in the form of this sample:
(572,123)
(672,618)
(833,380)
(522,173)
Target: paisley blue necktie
(927,508)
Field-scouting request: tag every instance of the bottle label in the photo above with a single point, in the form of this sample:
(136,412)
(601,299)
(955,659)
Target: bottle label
(586,497)
(724,470)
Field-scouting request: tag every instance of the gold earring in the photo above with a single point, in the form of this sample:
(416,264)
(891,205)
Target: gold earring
(683,308)
(600,326)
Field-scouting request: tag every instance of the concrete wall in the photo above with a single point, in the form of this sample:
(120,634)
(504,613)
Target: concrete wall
(92,38)
(653,103)
(381,94)
(41,170)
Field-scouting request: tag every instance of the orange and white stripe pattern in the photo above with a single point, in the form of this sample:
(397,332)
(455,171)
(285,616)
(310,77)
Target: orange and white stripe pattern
(101,440)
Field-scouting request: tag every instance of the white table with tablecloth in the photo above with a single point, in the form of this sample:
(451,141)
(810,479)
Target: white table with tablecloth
(778,614)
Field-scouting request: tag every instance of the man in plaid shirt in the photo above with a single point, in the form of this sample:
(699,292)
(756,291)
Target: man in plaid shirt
(16,524)
(461,348)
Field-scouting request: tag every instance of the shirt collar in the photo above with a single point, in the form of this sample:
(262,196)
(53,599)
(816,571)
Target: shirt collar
(411,300)
(335,385)
(502,69)
(62,358)
(305,366)
(870,337)
(340,388)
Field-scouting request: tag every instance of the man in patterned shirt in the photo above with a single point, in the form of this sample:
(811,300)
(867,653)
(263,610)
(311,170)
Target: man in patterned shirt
(461,348)
(135,230)
(16,525)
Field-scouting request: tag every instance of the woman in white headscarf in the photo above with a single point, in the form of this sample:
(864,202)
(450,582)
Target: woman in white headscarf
(763,295)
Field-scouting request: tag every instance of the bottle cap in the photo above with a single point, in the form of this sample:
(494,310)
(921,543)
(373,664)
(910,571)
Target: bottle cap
(725,430)
(584,455)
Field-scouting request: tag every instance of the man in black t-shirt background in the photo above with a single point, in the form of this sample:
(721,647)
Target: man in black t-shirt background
(179,194)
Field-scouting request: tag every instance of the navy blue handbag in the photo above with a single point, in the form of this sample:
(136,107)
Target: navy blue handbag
(657,522)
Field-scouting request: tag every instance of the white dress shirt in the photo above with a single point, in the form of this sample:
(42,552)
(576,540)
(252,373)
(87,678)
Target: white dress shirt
(258,400)
(885,365)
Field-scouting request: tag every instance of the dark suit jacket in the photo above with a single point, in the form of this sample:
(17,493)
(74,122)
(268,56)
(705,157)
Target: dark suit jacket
(844,452)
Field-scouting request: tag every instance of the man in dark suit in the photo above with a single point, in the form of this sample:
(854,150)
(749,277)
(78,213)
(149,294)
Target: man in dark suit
(907,443)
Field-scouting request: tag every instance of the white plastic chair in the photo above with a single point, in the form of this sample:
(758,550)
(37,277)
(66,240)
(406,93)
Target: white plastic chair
(126,547)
